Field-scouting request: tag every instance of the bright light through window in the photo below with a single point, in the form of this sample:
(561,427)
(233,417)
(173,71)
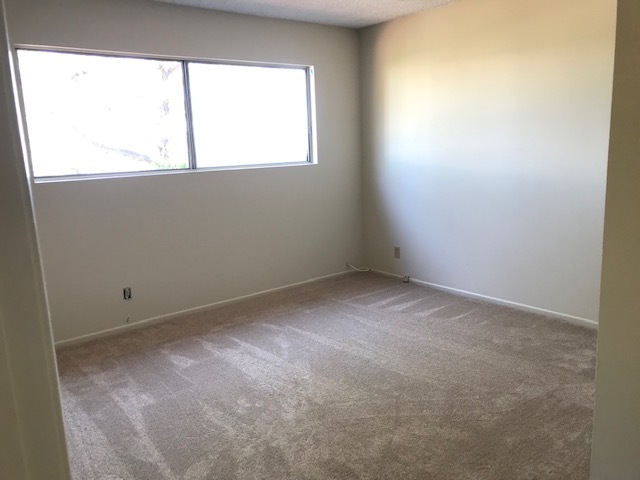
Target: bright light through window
(90,114)
(245,115)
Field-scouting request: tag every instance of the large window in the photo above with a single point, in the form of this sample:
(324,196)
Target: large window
(90,114)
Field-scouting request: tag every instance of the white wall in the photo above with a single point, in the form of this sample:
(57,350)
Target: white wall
(616,434)
(32,442)
(484,138)
(186,240)
(485,147)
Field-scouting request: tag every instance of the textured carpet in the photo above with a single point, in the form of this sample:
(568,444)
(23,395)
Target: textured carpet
(360,377)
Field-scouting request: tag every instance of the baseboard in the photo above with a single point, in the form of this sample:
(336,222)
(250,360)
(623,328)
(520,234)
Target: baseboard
(169,316)
(584,322)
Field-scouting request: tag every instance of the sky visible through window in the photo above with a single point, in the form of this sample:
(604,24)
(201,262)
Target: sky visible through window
(248,115)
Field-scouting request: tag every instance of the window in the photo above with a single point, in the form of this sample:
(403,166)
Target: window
(249,115)
(89,114)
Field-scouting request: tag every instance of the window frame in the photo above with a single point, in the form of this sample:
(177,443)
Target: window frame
(312,157)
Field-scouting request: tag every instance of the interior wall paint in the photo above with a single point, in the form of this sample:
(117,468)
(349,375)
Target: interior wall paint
(181,241)
(485,136)
(32,443)
(616,435)
(12,462)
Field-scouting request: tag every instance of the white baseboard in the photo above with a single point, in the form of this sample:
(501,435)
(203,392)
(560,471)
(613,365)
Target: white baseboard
(584,322)
(169,316)
(163,318)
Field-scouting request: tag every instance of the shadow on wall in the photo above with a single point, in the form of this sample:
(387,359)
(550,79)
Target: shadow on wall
(485,140)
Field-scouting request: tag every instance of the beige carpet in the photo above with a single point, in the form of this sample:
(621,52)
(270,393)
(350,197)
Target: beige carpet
(361,377)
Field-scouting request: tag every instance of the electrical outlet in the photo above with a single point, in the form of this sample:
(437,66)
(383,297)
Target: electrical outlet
(396,252)
(126,293)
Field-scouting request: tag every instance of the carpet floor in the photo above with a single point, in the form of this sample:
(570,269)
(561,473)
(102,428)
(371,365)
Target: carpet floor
(359,377)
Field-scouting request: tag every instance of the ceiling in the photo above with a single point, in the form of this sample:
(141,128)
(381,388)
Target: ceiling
(343,13)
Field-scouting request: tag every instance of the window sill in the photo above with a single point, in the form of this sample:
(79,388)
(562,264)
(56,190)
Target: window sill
(153,173)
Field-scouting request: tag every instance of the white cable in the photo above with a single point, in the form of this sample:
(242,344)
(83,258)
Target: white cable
(358,269)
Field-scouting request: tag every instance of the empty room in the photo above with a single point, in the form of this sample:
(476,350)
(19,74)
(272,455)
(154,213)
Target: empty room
(271,239)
